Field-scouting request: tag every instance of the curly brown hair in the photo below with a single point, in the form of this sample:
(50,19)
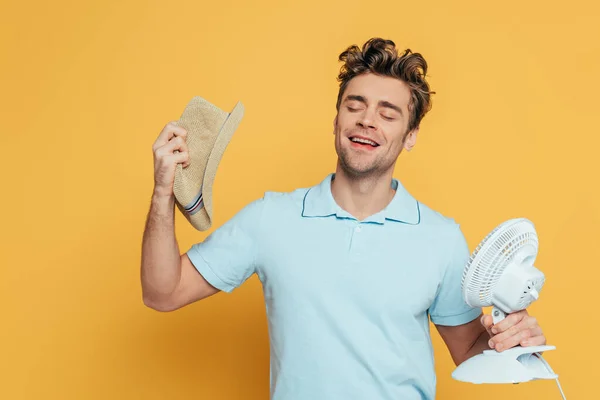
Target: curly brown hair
(380,57)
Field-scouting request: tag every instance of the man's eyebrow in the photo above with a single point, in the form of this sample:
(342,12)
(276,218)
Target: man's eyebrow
(386,104)
(391,105)
(356,98)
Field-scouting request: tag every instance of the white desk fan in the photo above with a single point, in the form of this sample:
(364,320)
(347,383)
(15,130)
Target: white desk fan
(500,273)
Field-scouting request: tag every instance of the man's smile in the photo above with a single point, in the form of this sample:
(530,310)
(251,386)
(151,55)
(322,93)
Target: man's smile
(363,142)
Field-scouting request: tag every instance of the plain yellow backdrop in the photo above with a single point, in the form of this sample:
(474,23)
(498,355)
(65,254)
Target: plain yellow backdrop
(87,86)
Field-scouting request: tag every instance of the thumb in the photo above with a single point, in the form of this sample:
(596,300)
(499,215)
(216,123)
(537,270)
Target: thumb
(487,321)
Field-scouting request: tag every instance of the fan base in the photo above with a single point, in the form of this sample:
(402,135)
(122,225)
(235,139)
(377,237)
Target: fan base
(515,365)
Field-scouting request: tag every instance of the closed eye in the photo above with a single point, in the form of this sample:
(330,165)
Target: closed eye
(388,118)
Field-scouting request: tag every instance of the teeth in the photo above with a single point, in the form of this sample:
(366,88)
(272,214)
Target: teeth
(365,141)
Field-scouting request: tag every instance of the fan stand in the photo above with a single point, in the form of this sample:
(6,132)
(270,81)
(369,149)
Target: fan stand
(515,365)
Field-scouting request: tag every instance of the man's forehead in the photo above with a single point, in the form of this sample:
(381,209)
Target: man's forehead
(374,89)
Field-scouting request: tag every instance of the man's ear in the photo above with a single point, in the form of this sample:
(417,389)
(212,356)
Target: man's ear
(411,139)
(334,123)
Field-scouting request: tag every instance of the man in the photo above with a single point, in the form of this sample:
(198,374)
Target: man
(352,268)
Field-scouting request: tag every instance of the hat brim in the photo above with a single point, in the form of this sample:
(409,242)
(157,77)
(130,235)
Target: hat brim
(203,219)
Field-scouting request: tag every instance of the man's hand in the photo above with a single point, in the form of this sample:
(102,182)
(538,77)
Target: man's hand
(170,149)
(516,329)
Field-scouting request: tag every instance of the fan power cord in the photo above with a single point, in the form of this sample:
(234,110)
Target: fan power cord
(538,355)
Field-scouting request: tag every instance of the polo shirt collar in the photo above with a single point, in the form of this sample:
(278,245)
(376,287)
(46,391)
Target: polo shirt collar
(319,202)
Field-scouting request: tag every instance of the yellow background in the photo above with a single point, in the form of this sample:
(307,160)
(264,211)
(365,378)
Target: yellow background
(87,86)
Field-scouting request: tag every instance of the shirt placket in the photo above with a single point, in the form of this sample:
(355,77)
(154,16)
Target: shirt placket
(357,241)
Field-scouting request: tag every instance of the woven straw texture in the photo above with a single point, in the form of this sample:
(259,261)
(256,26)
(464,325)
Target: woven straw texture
(209,131)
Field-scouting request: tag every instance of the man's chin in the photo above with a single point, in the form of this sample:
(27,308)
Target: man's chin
(357,165)
(358,171)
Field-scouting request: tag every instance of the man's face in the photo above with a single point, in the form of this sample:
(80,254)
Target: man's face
(371,124)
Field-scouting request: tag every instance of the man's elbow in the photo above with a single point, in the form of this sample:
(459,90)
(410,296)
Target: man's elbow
(162,304)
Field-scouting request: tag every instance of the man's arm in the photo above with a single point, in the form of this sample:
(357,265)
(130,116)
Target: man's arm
(465,341)
(169,280)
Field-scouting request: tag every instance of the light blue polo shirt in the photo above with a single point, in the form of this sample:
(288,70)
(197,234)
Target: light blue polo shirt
(347,301)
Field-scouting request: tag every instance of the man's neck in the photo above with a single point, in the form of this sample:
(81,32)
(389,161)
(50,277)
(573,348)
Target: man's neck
(363,197)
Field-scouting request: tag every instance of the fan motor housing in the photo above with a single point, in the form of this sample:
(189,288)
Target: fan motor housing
(518,287)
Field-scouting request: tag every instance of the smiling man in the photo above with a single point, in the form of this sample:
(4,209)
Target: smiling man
(354,268)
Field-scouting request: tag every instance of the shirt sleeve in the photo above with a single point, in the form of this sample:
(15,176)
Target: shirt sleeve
(449,307)
(228,256)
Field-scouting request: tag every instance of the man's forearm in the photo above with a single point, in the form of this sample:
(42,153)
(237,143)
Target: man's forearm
(161,262)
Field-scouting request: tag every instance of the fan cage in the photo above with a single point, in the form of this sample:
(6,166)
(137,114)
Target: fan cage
(489,260)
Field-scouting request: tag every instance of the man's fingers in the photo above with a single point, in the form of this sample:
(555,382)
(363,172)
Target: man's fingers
(526,333)
(509,321)
(176,145)
(487,321)
(512,341)
(179,158)
(538,340)
(524,325)
(170,130)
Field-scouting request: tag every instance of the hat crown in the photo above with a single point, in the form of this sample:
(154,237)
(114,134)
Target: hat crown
(202,121)
(203,116)
(209,130)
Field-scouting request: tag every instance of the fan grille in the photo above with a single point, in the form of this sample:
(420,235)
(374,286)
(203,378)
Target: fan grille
(493,254)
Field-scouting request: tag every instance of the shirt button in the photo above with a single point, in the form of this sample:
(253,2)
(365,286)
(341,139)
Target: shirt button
(357,229)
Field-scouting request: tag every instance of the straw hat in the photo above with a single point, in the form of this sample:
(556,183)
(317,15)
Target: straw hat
(209,130)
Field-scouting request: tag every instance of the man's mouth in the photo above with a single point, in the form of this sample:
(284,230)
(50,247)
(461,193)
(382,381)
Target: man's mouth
(363,142)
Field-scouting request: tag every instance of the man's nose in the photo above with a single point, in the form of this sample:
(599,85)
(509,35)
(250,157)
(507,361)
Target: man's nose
(367,120)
